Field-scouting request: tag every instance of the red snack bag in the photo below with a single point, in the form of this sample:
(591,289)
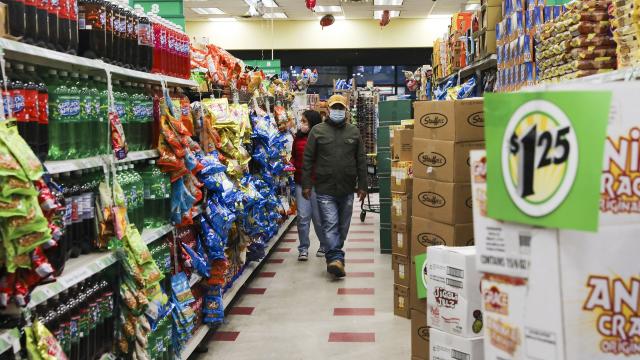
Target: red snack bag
(6,288)
(118,142)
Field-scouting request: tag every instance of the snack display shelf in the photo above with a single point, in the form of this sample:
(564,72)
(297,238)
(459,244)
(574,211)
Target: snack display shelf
(10,340)
(75,271)
(151,235)
(16,50)
(485,64)
(231,293)
(628,74)
(60,166)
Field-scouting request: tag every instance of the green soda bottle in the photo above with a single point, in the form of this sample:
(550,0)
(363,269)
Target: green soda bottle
(55,87)
(148,113)
(103,118)
(139,183)
(84,136)
(149,195)
(74,118)
(134,110)
(96,144)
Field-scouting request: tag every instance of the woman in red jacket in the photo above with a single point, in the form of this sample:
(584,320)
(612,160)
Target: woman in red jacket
(307,209)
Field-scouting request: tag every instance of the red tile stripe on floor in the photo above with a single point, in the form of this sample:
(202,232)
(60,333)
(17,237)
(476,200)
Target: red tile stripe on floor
(354,312)
(352,337)
(255,291)
(359,249)
(282,250)
(241,310)
(361,274)
(275,261)
(356,291)
(360,240)
(225,335)
(267,274)
(359,261)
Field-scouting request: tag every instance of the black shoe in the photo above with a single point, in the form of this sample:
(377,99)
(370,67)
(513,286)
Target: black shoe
(336,268)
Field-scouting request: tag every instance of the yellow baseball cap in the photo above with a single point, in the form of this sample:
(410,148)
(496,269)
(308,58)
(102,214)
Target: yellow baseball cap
(337,99)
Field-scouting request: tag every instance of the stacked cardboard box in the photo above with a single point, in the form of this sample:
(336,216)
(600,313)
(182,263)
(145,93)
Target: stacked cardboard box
(444,133)
(390,113)
(402,142)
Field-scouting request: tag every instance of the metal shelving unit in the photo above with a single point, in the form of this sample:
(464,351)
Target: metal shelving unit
(60,166)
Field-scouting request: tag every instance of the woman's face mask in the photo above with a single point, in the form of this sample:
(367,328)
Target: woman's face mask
(337,116)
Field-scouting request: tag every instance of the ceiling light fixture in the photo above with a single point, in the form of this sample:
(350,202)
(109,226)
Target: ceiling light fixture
(208,11)
(328,9)
(275,15)
(388,2)
(266,3)
(378,14)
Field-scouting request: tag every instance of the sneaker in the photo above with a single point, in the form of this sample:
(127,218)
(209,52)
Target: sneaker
(336,268)
(321,253)
(303,256)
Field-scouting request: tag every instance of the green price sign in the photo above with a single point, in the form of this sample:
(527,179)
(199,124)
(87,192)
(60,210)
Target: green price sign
(544,157)
(421,275)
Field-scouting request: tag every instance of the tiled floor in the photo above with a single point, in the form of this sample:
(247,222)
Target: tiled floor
(294,310)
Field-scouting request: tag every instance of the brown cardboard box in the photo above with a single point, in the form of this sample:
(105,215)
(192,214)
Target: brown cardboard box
(491,15)
(445,202)
(453,120)
(419,335)
(414,302)
(488,43)
(492,3)
(401,301)
(401,268)
(403,144)
(443,160)
(401,239)
(426,232)
(401,176)
(400,208)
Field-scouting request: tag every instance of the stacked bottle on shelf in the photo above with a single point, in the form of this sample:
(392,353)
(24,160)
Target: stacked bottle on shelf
(103,29)
(82,318)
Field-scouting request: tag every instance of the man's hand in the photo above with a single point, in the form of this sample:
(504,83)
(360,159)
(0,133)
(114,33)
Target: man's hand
(362,195)
(306,193)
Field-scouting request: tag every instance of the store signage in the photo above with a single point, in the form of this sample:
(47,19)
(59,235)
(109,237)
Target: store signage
(421,275)
(270,67)
(544,157)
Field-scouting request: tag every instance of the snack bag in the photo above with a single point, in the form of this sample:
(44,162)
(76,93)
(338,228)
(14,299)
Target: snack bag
(21,151)
(118,141)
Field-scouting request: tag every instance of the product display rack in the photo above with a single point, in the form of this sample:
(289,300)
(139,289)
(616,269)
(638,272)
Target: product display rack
(40,56)
(9,340)
(488,63)
(231,293)
(56,167)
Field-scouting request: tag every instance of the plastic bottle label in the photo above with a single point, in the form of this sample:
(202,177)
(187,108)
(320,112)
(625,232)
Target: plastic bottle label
(18,105)
(43,108)
(121,110)
(31,105)
(69,107)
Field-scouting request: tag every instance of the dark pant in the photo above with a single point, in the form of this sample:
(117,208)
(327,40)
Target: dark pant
(335,212)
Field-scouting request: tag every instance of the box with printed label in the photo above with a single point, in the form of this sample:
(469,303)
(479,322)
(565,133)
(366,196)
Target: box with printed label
(402,176)
(452,120)
(402,144)
(426,232)
(401,268)
(419,335)
(443,160)
(444,202)
(401,301)
(453,291)
(444,346)
(401,239)
(400,208)
(417,303)
(503,248)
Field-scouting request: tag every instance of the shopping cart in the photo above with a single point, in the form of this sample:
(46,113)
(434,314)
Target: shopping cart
(372,184)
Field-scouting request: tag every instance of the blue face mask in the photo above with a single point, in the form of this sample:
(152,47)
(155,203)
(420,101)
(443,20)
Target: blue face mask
(337,116)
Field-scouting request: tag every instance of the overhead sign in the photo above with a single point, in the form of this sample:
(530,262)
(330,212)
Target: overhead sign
(544,157)
(270,67)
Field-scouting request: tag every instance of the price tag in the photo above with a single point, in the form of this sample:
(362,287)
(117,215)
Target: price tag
(75,277)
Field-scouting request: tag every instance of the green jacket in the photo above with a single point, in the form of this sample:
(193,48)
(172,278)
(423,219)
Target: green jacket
(337,155)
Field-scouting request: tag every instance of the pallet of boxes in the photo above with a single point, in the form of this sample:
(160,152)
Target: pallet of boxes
(444,134)
(401,185)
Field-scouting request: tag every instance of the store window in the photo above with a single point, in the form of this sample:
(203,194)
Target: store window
(380,75)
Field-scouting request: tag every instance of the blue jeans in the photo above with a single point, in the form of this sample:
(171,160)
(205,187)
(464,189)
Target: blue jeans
(335,212)
(307,212)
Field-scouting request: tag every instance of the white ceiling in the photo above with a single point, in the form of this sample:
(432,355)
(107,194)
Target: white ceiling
(296,9)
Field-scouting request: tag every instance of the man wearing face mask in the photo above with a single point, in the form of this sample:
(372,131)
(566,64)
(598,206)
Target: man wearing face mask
(336,152)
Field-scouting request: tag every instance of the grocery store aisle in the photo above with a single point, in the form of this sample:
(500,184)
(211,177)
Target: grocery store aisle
(293,310)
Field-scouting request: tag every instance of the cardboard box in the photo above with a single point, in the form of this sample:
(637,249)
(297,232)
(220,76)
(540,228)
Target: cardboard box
(401,268)
(401,301)
(400,208)
(401,239)
(453,293)
(415,302)
(444,202)
(445,346)
(452,120)
(403,144)
(419,335)
(491,3)
(488,43)
(443,160)
(491,15)
(402,176)
(426,232)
